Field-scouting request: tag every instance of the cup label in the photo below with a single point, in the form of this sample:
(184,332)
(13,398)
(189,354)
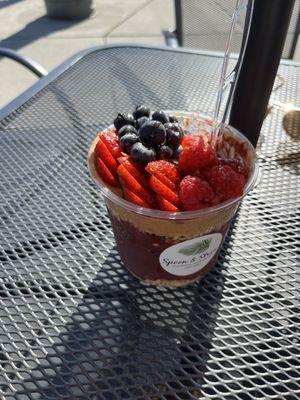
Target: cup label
(191,256)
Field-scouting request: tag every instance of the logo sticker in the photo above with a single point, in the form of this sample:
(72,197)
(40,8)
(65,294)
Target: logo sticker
(191,256)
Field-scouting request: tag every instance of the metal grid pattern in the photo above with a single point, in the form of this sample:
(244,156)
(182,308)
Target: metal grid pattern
(205,25)
(73,323)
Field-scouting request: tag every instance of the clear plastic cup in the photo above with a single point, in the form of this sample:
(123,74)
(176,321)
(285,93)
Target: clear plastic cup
(175,248)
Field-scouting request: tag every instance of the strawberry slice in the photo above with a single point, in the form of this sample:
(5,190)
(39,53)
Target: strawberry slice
(136,171)
(163,191)
(102,152)
(133,198)
(165,205)
(129,182)
(105,173)
(166,172)
(111,140)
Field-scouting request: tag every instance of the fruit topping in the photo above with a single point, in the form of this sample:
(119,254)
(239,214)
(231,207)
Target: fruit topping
(164,152)
(141,121)
(160,116)
(136,170)
(166,172)
(126,129)
(142,154)
(152,133)
(158,164)
(128,181)
(107,151)
(172,118)
(105,173)
(133,198)
(177,152)
(226,182)
(196,154)
(141,111)
(127,141)
(123,119)
(174,134)
(163,191)
(194,193)
(238,166)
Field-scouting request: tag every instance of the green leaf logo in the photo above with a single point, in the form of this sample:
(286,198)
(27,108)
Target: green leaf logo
(196,248)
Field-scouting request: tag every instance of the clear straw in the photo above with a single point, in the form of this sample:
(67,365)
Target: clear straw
(217,125)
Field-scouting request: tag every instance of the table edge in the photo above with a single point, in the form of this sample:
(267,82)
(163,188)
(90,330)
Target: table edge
(42,82)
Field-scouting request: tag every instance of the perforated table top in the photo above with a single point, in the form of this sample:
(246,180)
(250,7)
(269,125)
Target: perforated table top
(73,323)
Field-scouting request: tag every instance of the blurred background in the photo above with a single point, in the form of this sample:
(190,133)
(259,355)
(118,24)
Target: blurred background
(25,26)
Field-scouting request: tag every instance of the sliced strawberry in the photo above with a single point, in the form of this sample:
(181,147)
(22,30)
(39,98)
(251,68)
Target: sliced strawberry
(166,172)
(163,191)
(165,205)
(102,152)
(111,140)
(133,198)
(122,158)
(105,173)
(136,171)
(129,182)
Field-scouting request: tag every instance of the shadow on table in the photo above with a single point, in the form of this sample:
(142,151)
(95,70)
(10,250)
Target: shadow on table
(35,30)
(129,340)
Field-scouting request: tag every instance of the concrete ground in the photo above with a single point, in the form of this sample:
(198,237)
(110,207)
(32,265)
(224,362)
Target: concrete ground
(24,27)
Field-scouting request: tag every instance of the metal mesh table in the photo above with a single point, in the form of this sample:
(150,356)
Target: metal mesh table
(73,323)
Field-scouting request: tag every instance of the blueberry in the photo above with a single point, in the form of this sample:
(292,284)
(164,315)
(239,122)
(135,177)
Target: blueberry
(174,134)
(141,121)
(160,116)
(141,111)
(126,129)
(177,152)
(127,141)
(142,154)
(164,153)
(123,119)
(152,133)
(172,118)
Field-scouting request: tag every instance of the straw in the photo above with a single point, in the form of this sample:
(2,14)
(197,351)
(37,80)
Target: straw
(217,126)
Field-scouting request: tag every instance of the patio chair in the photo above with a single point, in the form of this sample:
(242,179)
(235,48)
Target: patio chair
(27,62)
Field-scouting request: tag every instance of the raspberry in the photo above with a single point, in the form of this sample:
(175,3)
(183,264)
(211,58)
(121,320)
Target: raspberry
(197,154)
(187,139)
(226,182)
(194,193)
(204,173)
(238,166)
